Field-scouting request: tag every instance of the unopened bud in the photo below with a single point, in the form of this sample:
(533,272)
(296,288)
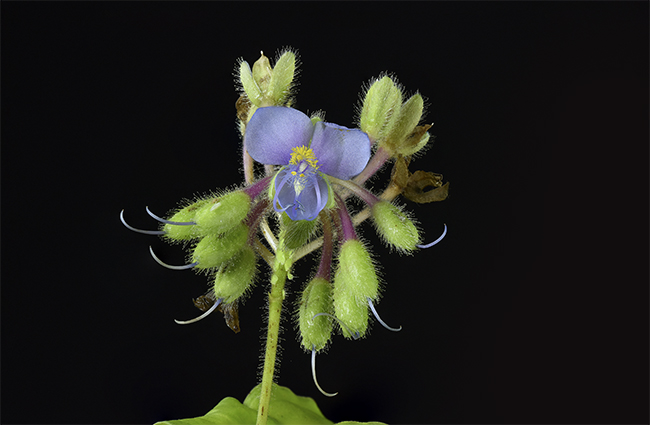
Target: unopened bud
(185,215)
(394,226)
(295,233)
(282,78)
(354,282)
(262,72)
(235,277)
(248,84)
(221,214)
(213,250)
(417,140)
(380,110)
(316,298)
(409,116)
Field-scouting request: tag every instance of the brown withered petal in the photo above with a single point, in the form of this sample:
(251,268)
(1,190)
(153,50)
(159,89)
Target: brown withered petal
(400,174)
(204,302)
(231,315)
(421,180)
(242,105)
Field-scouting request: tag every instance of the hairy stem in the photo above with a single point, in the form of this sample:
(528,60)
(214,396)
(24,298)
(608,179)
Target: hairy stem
(276,296)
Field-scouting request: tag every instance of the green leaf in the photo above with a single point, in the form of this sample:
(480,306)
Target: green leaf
(286,408)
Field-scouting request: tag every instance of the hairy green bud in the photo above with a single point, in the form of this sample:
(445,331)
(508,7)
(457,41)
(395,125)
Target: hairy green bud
(296,233)
(235,277)
(249,85)
(394,226)
(417,140)
(262,72)
(213,250)
(354,282)
(221,214)
(409,116)
(316,298)
(380,109)
(185,215)
(282,78)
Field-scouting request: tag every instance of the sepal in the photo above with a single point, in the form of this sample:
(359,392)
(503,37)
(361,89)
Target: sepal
(295,233)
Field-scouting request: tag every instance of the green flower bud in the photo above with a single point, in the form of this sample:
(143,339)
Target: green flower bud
(235,277)
(409,116)
(394,226)
(262,72)
(249,85)
(316,298)
(219,215)
(282,78)
(417,140)
(380,110)
(354,282)
(213,250)
(296,233)
(185,215)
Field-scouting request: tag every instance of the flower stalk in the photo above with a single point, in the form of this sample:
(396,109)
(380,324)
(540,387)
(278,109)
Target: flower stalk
(276,297)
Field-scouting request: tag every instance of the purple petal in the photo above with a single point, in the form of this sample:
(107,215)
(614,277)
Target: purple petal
(341,152)
(273,131)
(306,204)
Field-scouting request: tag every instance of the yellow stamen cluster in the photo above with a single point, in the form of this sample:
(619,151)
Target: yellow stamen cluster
(303,153)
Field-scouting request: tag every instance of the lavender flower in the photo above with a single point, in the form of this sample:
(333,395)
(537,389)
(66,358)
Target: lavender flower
(309,151)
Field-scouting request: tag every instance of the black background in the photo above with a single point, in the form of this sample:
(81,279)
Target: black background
(533,309)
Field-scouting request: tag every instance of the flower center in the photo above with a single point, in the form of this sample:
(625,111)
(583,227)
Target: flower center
(303,153)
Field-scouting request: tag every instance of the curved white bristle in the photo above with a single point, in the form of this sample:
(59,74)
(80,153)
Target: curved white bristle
(372,307)
(203,316)
(146,232)
(429,245)
(183,267)
(355,335)
(313,373)
(162,220)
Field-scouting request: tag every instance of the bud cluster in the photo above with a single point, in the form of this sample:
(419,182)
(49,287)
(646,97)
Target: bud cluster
(219,235)
(390,120)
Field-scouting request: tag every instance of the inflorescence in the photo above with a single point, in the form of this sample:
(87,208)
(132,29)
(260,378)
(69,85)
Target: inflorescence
(310,169)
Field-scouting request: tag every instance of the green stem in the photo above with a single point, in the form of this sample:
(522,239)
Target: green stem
(276,296)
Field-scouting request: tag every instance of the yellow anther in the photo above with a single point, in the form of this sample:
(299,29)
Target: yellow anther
(303,153)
